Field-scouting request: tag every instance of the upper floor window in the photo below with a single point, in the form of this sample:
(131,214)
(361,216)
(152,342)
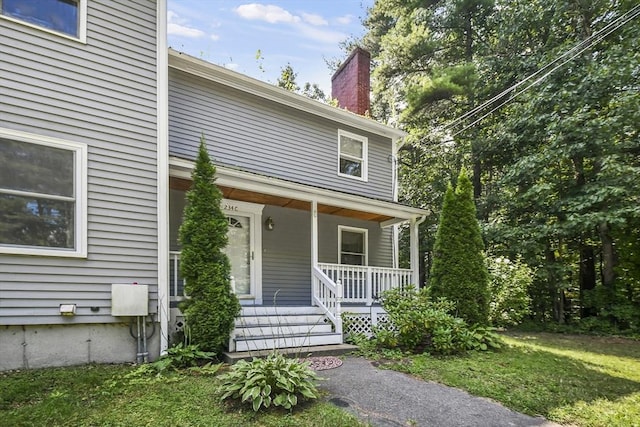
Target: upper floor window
(42,195)
(352,243)
(66,17)
(352,155)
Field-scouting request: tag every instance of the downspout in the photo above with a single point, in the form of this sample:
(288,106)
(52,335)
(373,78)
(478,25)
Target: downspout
(415,248)
(395,235)
(162,108)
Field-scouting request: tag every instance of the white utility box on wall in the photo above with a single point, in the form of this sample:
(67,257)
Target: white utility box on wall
(129,300)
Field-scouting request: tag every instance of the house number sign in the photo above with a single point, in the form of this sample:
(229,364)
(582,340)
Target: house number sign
(228,207)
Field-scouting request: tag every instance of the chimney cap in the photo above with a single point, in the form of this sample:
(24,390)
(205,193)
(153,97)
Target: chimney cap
(357,51)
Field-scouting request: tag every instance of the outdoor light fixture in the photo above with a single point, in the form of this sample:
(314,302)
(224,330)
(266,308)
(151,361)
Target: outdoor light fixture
(269,223)
(68,309)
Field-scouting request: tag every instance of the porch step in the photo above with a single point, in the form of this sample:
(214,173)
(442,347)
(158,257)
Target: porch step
(290,341)
(322,350)
(246,321)
(282,330)
(268,328)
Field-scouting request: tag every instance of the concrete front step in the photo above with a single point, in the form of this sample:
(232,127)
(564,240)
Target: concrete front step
(291,341)
(281,330)
(315,351)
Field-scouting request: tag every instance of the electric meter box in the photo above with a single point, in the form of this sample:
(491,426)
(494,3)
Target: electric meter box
(129,300)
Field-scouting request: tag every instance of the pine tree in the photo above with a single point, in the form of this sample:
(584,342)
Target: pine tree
(459,272)
(211,307)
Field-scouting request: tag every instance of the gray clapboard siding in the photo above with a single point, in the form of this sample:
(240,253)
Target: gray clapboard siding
(266,137)
(286,258)
(103,94)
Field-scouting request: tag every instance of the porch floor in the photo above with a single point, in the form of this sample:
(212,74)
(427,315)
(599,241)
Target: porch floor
(320,350)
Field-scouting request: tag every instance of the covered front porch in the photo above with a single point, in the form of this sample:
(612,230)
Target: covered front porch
(300,256)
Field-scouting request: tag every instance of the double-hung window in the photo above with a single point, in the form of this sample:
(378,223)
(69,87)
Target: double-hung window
(42,195)
(62,17)
(353,244)
(352,155)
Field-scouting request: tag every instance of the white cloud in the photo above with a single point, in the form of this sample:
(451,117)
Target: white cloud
(320,35)
(313,19)
(266,12)
(305,25)
(176,26)
(344,20)
(214,37)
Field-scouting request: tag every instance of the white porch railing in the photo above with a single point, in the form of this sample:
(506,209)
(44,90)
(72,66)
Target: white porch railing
(327,295)
(364,284)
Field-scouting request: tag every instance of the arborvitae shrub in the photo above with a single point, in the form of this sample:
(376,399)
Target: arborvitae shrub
(459,272)
(211,306)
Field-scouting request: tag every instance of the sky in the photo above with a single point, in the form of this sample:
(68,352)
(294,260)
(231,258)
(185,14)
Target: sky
(301,33)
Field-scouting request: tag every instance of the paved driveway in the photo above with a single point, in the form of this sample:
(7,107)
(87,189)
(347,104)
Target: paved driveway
(388,398)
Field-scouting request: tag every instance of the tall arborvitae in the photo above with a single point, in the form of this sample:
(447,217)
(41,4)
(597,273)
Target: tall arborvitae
(459,272)
(211,307)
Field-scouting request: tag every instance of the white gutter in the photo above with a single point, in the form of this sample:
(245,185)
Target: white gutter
(227,177)
(162,107)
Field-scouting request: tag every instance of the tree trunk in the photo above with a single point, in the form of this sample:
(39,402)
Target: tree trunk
(587,278)
(609,257)
(556,292)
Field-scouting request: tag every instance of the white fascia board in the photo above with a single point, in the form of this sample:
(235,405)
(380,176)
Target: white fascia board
(223,76)
(227,177)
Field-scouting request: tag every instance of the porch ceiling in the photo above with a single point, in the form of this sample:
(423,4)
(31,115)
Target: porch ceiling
(285,202)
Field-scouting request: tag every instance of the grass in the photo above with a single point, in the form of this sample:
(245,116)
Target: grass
(577,380)
(99,395)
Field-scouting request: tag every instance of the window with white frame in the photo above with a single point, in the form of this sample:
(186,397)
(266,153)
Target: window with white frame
(42,195)
(352,155)
(352,244)
(66,17)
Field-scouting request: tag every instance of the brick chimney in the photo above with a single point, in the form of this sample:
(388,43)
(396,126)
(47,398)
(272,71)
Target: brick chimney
(351,84)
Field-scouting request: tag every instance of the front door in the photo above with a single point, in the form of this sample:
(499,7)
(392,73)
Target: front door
(244,249)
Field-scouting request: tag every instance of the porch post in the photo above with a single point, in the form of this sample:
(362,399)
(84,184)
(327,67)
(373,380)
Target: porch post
(414,252)
(314,241)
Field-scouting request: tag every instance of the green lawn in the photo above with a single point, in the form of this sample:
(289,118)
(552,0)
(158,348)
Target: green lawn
(578,380)
(101,396)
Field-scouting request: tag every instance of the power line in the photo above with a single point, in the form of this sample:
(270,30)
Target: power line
(576,50)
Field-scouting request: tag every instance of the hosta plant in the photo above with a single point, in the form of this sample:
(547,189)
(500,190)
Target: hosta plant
(273,381)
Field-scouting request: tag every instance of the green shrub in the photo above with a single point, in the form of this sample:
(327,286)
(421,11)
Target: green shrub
(509,283)
(418,324)
(275,380)
(458,272)
(179,357)
(211,307)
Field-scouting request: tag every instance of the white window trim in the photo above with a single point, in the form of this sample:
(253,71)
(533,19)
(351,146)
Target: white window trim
(365,155)
(363,231)
(80,193)
(82,24)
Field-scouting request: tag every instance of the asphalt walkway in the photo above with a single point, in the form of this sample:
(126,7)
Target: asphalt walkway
(386,398)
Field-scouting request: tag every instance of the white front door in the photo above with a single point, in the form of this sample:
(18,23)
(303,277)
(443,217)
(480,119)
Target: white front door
(244,249)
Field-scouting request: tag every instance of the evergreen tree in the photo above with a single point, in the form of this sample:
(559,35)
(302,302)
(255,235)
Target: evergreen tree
(459,272)
(211,307)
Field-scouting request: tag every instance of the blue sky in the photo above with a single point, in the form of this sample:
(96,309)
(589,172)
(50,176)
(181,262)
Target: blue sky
(302,33)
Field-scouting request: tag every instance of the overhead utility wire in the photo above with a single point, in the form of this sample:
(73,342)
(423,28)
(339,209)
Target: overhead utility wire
(581,47)
(599,39)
